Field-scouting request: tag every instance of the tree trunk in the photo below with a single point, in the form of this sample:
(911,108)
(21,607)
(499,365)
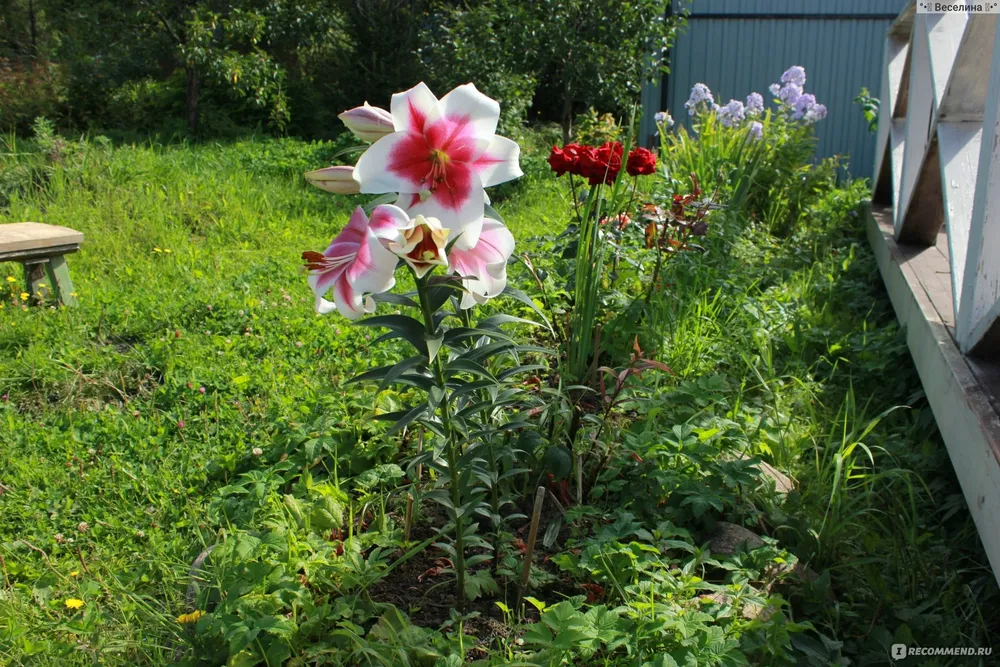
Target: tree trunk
(34,28)
(191,100)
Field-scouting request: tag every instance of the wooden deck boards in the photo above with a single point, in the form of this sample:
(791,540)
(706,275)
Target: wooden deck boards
(963,392)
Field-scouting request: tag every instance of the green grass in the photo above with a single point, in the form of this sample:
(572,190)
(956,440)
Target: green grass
(189,280)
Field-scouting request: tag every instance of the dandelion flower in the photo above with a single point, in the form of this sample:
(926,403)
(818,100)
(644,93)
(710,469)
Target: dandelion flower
(73,603)
(75,573)
(190,618)
(11,279)
(24,296)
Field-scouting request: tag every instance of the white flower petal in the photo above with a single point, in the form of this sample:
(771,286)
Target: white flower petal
(466,102)
(387,220)
(412,109)
(463,223)
(371,173)
(374,269)
(500,162)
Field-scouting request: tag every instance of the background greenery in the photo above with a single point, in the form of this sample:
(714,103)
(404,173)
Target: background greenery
(213,68)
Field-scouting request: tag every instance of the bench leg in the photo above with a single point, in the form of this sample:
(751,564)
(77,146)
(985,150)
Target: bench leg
(58,271)
(35,279)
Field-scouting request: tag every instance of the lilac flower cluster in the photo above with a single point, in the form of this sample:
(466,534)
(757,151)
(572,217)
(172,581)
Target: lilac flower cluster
(793,102)
(790,93)
(663,118)
(730,115)
(755,104)
(700,94)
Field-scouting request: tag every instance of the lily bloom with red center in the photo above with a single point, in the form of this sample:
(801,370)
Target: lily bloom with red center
(483,268)
(421,243)
(440,157)
(355,264)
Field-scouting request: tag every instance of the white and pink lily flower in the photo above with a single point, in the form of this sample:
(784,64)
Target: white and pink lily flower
(355,265)
(440,157)
(484,267)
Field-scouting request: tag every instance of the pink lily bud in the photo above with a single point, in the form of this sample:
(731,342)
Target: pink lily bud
(368,123)
(338,180)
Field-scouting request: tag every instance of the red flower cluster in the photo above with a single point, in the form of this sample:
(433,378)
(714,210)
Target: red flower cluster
(601,164)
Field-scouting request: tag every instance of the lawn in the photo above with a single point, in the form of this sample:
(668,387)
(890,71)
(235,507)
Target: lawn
(194,400)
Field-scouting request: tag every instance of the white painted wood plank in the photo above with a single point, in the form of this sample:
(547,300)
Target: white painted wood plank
(918,117)
(897,147)
(897,51)
(958,146)
(894,57)
(967,420)
(979,306)
(944,36)
(965,98)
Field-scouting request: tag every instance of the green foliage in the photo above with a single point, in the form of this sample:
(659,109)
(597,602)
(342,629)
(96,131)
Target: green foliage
(869,107)
(483,43)
(223,68)
(263,520)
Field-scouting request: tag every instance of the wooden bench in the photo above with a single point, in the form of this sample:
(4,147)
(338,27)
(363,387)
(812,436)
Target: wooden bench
(41,249)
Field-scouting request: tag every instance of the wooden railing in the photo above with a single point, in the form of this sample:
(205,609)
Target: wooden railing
(935,232)
(938,156)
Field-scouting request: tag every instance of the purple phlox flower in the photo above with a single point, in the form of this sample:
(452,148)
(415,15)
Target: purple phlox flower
(663,118)
(789,94)
(774,88)
(756,130)
(796,75)
(802,105)
(755,104)
(815,113)
(700,94)
(731,115)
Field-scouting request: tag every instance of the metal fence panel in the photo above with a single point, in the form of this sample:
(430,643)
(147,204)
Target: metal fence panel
(740,46)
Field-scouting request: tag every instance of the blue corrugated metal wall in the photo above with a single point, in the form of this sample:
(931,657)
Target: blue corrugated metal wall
(740,46)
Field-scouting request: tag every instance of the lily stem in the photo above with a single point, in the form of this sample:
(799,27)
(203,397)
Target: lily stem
(454,446)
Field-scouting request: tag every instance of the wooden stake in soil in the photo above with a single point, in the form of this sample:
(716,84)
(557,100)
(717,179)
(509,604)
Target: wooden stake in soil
(409,496)
(579,479)
(536,516)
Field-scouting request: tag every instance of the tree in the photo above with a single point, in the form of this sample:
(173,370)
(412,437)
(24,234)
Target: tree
(599,51)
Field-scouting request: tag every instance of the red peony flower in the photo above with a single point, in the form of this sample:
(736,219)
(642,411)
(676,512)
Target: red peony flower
(641,162)
(602,164)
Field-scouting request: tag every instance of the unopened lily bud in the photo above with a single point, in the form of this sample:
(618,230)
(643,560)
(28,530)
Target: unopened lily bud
(338,180)
(368,123)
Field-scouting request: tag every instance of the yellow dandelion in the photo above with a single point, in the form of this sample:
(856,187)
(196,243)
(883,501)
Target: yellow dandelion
(11,279)
(24,296)
(75,573)
(190,618)
(73,603)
